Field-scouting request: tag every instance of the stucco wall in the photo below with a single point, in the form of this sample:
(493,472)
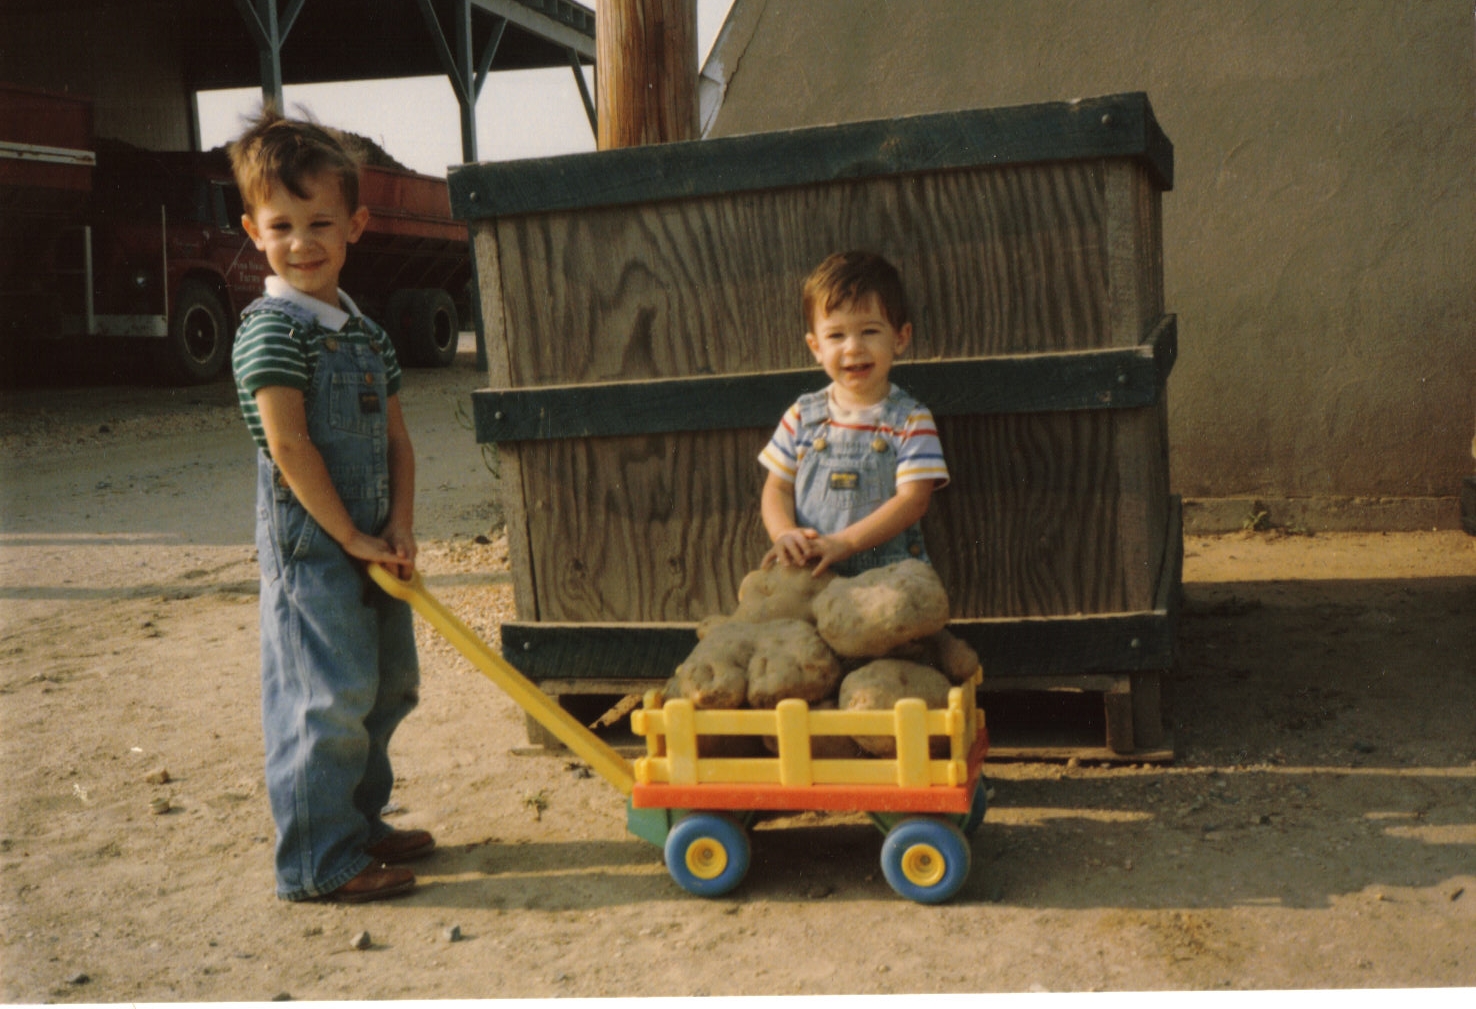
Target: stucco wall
(1320,242)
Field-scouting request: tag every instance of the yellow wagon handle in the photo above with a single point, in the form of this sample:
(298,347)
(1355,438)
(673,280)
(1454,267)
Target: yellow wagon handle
(566,728)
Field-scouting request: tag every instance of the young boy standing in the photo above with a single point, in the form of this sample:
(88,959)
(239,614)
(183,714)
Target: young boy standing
(852,467)
(318,385)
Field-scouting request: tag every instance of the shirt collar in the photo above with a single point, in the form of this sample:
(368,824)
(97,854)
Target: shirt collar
(329,316)
(839,412)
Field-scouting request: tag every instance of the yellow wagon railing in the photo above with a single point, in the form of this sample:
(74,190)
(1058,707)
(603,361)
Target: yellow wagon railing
(672,730)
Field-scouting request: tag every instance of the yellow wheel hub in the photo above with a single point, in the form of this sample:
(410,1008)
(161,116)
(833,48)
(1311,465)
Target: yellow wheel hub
(923,865)
(706,858)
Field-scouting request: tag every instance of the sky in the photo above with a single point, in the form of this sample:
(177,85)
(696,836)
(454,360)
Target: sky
(520,114)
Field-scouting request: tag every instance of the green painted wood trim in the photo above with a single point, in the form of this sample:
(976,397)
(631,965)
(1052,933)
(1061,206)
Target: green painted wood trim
(1123,378)
(1036,646)
(1115,126)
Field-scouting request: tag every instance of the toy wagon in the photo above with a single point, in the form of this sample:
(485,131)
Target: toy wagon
(698,809)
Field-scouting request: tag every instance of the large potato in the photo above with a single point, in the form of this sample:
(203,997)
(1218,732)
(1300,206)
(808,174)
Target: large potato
(956,658)
(730,747)
(951,656)
(790,660)
(780,592)
(879,685)
(880,609)
(715,674)
(776,593)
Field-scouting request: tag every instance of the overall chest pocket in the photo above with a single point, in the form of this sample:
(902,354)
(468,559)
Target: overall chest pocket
(357,402)
(851,478)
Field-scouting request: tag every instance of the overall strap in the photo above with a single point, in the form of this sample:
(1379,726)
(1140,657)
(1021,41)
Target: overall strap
(299,315)
(898,407)
(302,322)
(814,408)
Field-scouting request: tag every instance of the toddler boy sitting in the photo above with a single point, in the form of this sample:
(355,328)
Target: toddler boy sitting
(852,467)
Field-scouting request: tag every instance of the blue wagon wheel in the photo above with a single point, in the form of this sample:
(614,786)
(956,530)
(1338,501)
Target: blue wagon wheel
(978,806)
(707,854)
(925,860)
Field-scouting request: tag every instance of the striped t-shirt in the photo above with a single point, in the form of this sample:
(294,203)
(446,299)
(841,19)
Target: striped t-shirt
(919,453)
(271,348)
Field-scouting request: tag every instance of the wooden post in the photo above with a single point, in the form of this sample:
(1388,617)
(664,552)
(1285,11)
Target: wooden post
(645,72)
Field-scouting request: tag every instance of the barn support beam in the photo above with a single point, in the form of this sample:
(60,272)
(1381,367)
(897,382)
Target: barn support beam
(466,81)
(467,77)
(589,103)
(269,31)
(269,27)
(466,69)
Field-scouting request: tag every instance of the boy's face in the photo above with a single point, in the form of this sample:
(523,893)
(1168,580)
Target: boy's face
(306,240)
(855,344)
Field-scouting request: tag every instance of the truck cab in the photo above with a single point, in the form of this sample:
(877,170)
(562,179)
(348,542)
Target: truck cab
(166,256)
(170,261)
(101,239)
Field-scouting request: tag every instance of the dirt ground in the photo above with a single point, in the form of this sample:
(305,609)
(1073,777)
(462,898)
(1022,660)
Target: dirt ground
(1317,829)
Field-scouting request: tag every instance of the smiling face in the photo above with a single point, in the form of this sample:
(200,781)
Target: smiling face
(306,238)
(856,343)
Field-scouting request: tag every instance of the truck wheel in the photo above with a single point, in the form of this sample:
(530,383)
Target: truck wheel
(399,319)
(423,325)
(198,344)
(442,329)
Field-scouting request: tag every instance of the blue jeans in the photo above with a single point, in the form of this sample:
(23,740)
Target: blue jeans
(339,668)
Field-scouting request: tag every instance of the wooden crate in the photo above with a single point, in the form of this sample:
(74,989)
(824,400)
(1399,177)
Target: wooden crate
(644,336)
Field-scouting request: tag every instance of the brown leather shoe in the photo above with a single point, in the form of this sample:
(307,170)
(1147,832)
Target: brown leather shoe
(402,846)
(375,882)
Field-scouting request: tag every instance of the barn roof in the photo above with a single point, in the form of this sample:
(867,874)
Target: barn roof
(336,40)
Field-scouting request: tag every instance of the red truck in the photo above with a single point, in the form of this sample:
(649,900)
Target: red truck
(100,239)
(46,169)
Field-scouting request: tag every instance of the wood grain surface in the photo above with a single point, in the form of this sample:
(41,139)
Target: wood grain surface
(996,262)
(1049,514)
(653,528)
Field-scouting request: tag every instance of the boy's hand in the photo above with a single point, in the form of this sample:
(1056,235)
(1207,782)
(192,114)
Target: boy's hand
(830,550)
(375,550)
(791,548)
(402,542)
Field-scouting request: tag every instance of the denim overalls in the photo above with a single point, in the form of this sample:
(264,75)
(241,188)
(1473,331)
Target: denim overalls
(847,474)
(339,668)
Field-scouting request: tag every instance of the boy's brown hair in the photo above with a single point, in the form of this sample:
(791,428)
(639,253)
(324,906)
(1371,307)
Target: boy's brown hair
(277,150)
(845,277)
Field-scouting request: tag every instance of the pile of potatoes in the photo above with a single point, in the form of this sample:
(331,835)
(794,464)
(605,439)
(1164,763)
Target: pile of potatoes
(858,644)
